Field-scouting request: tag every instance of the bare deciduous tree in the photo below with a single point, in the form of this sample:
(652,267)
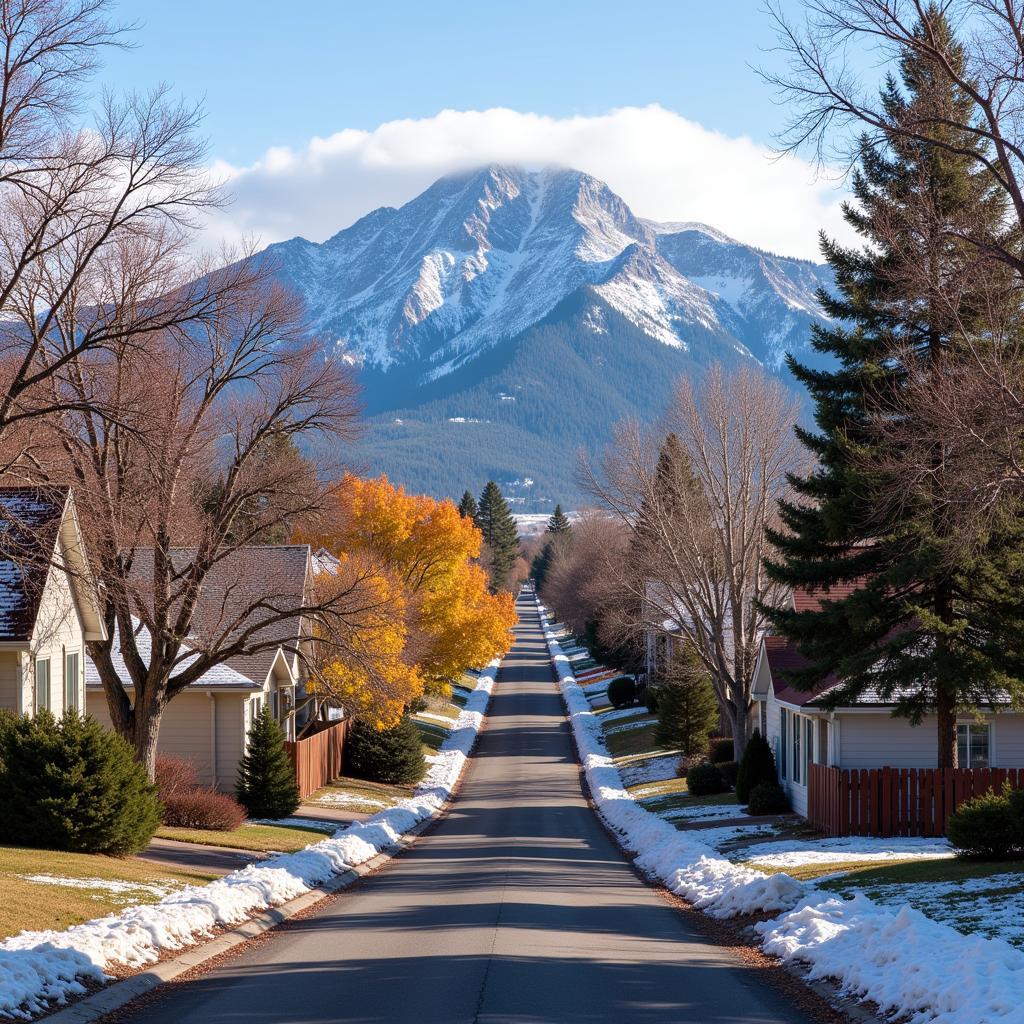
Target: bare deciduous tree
(695,566)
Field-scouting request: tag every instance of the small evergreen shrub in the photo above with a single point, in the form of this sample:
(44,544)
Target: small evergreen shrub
(704,778)
(174,775)
(202,809)
(651,699)
(266,779)
(768,798)
(756,766)
(621,692)
(985,826)
(721,750)
(73,785)
(728,770)
(394,756)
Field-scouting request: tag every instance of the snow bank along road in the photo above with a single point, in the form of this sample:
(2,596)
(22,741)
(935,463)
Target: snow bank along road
(515,909)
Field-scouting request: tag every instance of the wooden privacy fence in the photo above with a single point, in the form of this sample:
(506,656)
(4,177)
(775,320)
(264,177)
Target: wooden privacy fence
(896,801)
(319,758)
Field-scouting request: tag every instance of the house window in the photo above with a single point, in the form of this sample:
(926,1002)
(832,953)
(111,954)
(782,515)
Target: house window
(972,743)
(71,681)
(783,729)
(764,718)
(808,746)
(42,683)
(797,763)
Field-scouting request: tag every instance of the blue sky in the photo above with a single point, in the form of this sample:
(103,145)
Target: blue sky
(317,112)
(277,73)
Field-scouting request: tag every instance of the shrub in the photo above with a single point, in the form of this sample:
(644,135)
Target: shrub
(266,779)
(721,750)
(621,691)
(393,756)
(756,766)
(175,775)
(73,785)
(985,826)
(651,699)
(728,770)
(687,706)
(704,778)
(202,809)
(768,798)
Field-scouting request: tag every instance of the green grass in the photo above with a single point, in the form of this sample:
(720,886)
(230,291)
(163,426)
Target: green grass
(433,735)
(640,709)
(258,838)
(37,905)
(674,801)
(361,795)
(924,871)
(633,741)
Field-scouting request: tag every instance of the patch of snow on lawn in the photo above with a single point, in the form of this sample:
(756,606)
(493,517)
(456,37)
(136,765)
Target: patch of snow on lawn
(701,812)
(611,716)
(320,825)
(38,969)
(627,726)
(722,835)
(114,885)
(791,853)
(349,798)
(651,769)
(992,906)
(442,719)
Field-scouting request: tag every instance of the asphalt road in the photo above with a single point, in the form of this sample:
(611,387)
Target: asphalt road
(516,909)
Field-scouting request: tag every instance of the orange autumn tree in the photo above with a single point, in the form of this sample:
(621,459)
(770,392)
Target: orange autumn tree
(451,621)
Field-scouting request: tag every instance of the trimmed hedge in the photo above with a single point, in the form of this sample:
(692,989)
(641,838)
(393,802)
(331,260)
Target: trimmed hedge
(728,770)
(704,778)
(394,756)
(73,785)
(768,798)
(721,750)
(989,826)
(621,692)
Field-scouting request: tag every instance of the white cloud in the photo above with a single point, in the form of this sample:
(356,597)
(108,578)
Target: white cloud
(664,166)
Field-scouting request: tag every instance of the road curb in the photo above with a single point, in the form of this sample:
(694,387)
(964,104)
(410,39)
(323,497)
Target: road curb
(118,994)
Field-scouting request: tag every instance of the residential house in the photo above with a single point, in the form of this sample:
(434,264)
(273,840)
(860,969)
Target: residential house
(208,724)
(48,606)
(863,734)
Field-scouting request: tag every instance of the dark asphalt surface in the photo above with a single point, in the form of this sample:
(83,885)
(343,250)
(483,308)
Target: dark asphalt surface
(515,909)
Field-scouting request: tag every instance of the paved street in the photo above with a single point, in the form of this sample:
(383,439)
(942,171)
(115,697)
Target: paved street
(516,909)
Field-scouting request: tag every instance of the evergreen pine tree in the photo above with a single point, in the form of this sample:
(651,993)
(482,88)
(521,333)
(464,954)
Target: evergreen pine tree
(756,767)
(541,565)
(559,522)
(687,706)
(467,506)
(266,777)
(73,785)
(897,616)
(394,756)
(500,533)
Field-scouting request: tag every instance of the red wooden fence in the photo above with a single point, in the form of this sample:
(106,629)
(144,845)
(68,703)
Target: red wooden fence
(896,801)
(319,758)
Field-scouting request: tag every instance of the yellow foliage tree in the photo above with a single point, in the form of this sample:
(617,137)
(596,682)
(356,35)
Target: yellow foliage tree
(451,621)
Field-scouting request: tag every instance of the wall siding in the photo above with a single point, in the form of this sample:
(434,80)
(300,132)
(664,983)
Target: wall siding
(186,731)
(9,662)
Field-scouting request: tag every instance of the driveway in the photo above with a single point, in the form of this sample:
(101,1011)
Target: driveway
(515,909)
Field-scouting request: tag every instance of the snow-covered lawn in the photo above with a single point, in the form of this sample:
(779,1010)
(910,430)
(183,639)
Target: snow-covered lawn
(920,969)
(649,768)
(627,726)
(702,812)
(638,710)
(791,853)
(39,969)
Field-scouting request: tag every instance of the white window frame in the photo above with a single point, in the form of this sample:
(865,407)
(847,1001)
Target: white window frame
(970,725)
(41,687)
(72,676)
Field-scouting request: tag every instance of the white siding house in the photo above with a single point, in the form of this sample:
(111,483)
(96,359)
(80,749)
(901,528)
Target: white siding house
(48,606)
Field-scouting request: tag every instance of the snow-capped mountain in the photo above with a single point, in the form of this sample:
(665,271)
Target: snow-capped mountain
(509,317)
(478,258)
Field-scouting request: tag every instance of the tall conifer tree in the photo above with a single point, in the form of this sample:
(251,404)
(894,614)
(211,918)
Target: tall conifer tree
(467,506)
(500,533)
(898,617)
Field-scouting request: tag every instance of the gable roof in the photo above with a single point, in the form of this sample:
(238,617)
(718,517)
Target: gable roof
(782,657)
(30,519)
(268,579)
(217,677)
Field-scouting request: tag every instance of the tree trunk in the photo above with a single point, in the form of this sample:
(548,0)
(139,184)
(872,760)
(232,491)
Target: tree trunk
(145,732)
(945,707)
(739,716)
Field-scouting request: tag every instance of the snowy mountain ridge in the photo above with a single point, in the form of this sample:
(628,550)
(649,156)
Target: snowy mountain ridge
(424,289)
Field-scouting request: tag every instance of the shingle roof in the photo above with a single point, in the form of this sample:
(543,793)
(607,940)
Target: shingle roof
(30,518)
(811,601)
(269,579)
(219,675)
(783,657)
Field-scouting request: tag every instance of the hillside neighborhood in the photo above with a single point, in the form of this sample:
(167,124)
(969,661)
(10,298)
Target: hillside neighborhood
(447,576)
